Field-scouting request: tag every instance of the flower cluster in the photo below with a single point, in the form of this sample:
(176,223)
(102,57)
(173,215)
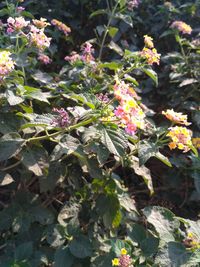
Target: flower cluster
(151,55)
(20,8)
(103,97)
(124,260)
(181,27)
(62,120)
(41,23)
(86,56)
(176,117)
(148,41)
(44,59)
(74,56)
(38,38)
(6,64)
(16,24)
(87,51)
(181,138)
(130,113)
(192,241)
(61,26)
(149,52)
(132,4)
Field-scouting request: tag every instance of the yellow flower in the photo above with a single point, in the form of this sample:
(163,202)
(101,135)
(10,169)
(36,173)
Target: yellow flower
(181,138)
(176,117)
(148,41)
(115,262)
(190,235)
(123,251)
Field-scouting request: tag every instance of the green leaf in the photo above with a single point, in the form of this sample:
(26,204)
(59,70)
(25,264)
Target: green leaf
(173,254)
(98,12)
(164,222)
(10,145)
(81,247)
(152,74)
(9,122)
(63,257)
(35,159)
(5,178)
(13,99)
(142,171)
(66,146)
(114,140)
(111,65)
(112,31)
(164,159)
(149,246)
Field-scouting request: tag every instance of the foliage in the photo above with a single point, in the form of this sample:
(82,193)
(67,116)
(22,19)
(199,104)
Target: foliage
(89,138)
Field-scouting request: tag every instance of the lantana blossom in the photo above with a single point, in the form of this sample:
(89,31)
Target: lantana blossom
(124,260)
(16,24)
(181,27)
(41,23)
(6,64)
(38,38)
(176,117)
(44,59)
(180,138)
(148,40)
(61,26)
(151,55)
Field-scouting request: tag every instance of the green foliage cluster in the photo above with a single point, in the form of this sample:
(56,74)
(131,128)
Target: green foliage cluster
(77,187)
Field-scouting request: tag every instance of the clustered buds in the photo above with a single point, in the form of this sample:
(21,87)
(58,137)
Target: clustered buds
(38,38)
(103,97)
(61,26)
(16,24)
(149,52)
(123,260)
(41,23)
(131,4)
(6,64)
(86,56)
(44,59)
(62,120)
(181,27)
(130,113)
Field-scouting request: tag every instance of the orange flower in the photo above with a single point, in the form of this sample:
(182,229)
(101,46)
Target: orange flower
(176,117)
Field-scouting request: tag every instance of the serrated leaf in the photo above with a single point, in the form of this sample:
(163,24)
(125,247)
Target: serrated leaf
(164,222)
(114,141)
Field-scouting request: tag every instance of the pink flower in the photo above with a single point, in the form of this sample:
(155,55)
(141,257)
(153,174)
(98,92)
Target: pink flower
(73,57)
(44,59)
(87,51)
(38,38)
(61,26)
(133,4)
(181,27)
(20,9)
(17,24)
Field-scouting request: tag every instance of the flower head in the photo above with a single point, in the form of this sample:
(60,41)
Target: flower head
(17,24)
(181,27)
(62,119)
(38,38)
(61,26)
(115,262)
(129,112)
(151,55)
(148,40)
(176,117)
(6,64)
(123,251)
(44,59)
(41,23)
(87,52)
(74,56)
(132,4)
(181,138)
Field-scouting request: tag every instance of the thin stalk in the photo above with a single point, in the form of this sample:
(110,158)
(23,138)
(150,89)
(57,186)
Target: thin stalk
(106,30)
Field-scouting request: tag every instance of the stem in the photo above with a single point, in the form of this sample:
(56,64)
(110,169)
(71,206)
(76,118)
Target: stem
(70,128)
(106,30)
